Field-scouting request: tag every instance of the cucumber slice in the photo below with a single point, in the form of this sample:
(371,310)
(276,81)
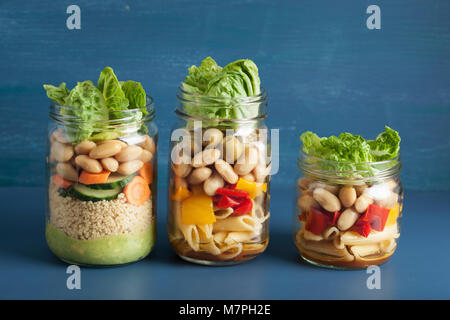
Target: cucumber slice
(115,180)
(82,192)
(62,192)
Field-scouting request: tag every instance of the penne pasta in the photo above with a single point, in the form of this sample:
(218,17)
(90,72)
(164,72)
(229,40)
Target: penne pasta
(365,250)
(210,247)
(311,236)
(353,238)
(324,248)
(337,242)
(240,236)
(330,233)
(240,223)
(219,237)
(223,213)
(230,251)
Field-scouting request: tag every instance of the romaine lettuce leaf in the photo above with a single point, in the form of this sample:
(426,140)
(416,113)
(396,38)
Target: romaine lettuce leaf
(135,94)
(350,152)
(250,70)
(238,79)
(58,94)
(86,103)
(386,146)
(110,88)
(199,77)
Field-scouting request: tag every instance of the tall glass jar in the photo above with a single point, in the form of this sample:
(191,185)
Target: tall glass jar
(347,219)
(101,182)
(219,179)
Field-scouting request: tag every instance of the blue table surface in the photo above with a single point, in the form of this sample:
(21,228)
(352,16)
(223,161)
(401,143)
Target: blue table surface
(418,270)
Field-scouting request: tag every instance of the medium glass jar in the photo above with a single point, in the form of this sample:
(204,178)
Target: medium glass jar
(219,174)
(347,219)
(101,182)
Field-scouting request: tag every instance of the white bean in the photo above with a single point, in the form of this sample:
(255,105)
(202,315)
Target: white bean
(347,195)
(84,147)
(347,219)
(88,164)
(106,150)
(205,158)
(130,167)
(66,171)
(61,152)
(213,183)
(362,203)
(199,175)
(110,164)
(247,162)
(226,171)
(327,200)
(129,153)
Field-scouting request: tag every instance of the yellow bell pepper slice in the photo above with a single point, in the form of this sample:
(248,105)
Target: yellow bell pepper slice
(254,189)
(197,209)
(393,215)
(180,194)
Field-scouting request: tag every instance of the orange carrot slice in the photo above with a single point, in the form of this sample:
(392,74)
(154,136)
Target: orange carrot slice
(137,191)
(61,182)
(146,172)
(94,178)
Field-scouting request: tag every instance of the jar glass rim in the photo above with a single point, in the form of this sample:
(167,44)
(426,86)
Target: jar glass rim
(364,170)
(206,105)
(221,102)
(126,115)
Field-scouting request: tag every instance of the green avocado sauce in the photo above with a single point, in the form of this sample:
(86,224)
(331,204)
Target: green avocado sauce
(110,250)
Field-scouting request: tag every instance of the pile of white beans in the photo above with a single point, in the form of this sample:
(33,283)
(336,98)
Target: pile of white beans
(112,155)
(218,160)
(350,200)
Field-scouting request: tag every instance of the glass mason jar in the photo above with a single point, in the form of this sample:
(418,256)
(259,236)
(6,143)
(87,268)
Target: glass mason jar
(219,179)
(101,182)
(347,219)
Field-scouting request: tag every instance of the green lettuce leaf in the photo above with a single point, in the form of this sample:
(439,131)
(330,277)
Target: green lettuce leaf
(58,94)
(228,84)
(238,79)
(386,146)
(135,94)
(349,152)
(249,71)
(110,88)
(86,103)
(199,77)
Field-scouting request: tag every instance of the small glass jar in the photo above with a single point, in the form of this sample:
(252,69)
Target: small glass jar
(347,219)
(219,174)
(101,184)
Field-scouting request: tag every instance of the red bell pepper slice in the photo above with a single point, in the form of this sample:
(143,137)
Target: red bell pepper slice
(363,227)
(245,207)
(333,216)
(226,202)
(377,216)
(232,193)
(317,221)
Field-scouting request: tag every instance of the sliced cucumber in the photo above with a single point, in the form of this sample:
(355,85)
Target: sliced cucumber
(62,192)
(82,192)
(115,180)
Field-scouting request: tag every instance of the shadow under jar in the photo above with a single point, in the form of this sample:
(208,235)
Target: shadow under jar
(101,182)
(347,219)
(219,180)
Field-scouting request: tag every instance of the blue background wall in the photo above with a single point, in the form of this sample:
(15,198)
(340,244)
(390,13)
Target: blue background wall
(323,69)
